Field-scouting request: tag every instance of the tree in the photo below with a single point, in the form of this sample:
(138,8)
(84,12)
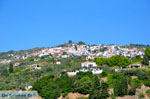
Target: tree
(70,41)
(104,90)
(11,69)
(40,83)
(147,52)
(146,83)
(5,72)
(83,74)
(124,86)
(100,92)
(65,83)
(100,61)
(81,43)
(76,48)
(148,92)
(95,93)
(47,87)
(83,86)
(141,96)
(137,59)
(146,56)
(103,49)
(64,53)
(118,61)
(31,58)
(104,74)
(132,90)
(96,83)
(50,91)
(145,60)
(120,85)
(137,83)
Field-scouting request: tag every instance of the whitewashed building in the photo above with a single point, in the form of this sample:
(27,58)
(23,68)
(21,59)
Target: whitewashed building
(89,64)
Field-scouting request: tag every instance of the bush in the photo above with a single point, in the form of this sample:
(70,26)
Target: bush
(17,70)
(83,86)
(113,96)
(132,91)
(137,83)
(50,91)
(100,61)
(148,92)
(120,61)
(120,85)
(65,94)
(146,83)
(104,74)
(83,74)
(141,96)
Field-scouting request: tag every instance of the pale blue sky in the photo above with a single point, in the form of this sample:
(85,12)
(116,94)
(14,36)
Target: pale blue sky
(26,24)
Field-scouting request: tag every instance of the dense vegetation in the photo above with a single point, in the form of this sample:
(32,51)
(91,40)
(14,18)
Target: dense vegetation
(87,83)
(120,61)
(84,83)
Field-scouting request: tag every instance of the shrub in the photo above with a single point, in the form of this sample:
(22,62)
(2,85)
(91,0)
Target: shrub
(137,83)
(146,83)
(148,92)
(141,96)
(104,74)
(50,91)
(132,91)
(17,70)
(83,86)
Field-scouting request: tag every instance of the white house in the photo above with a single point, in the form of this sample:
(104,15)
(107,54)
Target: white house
(64,56)
(94,71)
(72,73)
(118,70)
(58,62)
(89,64)
(36,66)
(135,66)
(28,87)
(97,71)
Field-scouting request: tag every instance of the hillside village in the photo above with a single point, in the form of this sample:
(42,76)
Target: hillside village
(90,52)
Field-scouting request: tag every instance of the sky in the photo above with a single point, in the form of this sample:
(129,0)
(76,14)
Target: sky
(26,24)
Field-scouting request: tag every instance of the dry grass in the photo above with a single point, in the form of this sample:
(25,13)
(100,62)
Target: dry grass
(126,97)
(76,96)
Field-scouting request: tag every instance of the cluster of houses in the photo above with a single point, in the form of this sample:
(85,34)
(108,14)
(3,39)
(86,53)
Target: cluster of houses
(87,66)
(90,52)
(5,61)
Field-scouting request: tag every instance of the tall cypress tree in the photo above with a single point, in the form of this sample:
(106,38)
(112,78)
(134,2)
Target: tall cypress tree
(145,60)
(120,86)
(146,56)
(100,90)
(104,90)
(95,93)
(11,69)
(96,83)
